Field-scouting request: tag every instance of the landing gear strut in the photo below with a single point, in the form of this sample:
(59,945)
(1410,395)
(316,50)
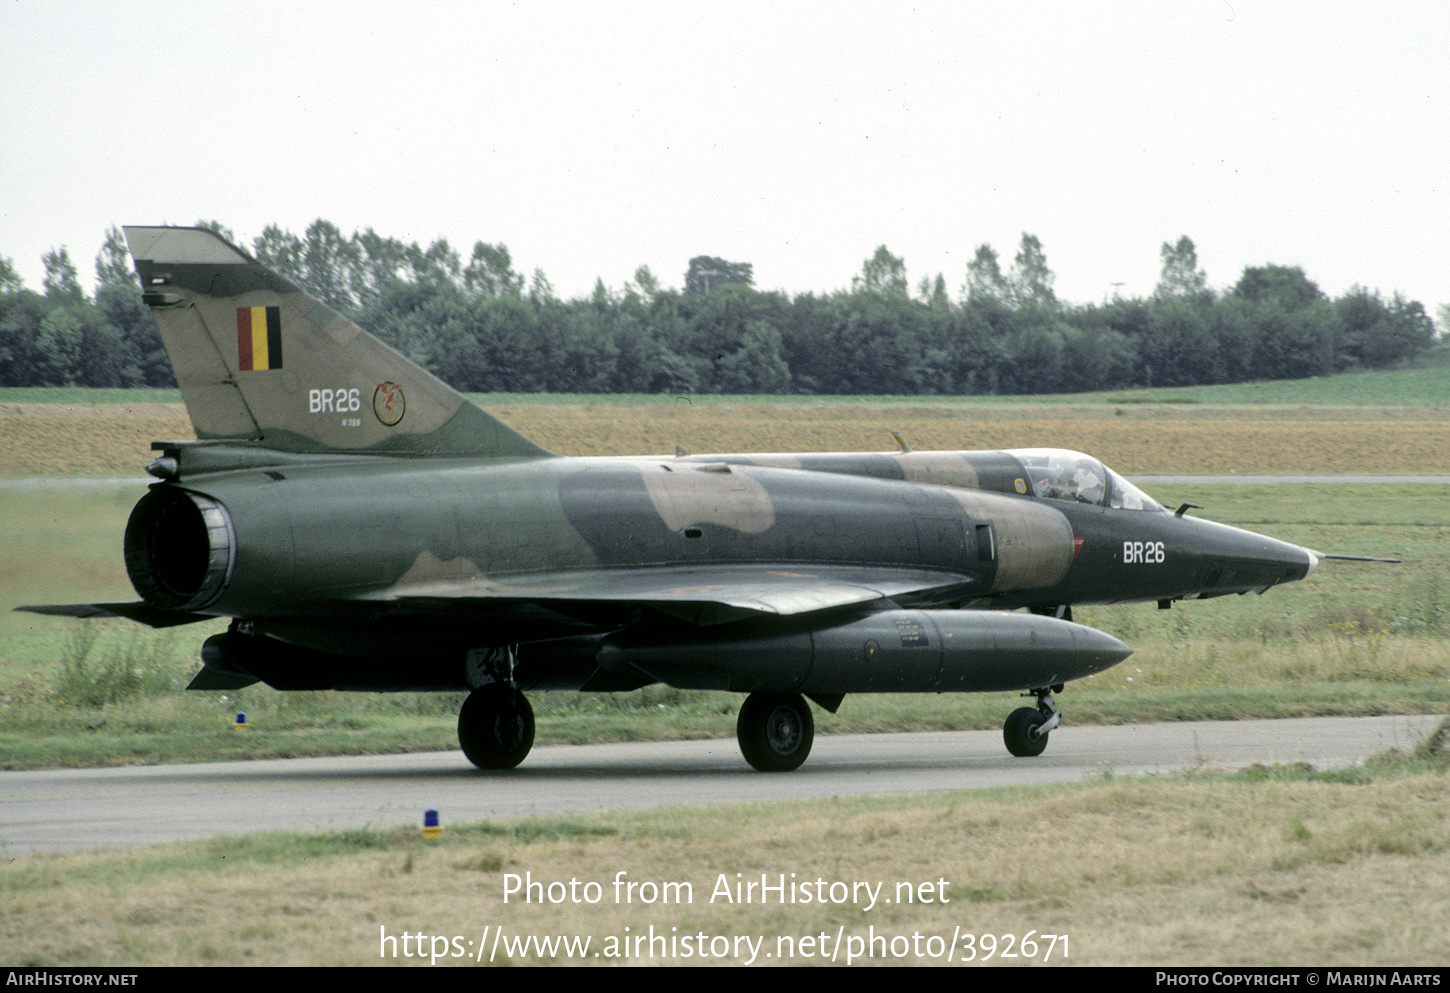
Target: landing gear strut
(775,731)
(496,727)
(1027,728)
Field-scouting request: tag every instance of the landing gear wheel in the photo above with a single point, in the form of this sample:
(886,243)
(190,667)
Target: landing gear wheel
(775,731)
(1023,732)
(496,727)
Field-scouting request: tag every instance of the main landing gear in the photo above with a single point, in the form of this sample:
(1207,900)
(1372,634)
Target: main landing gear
(775,731)
(496,727)
(1027,728)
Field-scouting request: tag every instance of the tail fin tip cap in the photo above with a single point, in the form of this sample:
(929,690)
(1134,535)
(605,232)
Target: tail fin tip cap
(165,246)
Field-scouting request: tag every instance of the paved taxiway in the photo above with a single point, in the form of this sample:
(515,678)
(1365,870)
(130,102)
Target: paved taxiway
(73,809)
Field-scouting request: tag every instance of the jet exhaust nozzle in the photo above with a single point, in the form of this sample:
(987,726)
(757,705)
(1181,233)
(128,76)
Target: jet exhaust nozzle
(180,549)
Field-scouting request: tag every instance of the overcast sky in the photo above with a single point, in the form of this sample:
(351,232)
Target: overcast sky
(592,138)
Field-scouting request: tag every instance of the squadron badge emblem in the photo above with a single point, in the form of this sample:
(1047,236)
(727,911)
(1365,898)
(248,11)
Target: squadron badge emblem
(389,404)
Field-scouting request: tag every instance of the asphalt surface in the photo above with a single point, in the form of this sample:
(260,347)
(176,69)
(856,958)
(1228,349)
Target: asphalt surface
(77,809)
(1286,480)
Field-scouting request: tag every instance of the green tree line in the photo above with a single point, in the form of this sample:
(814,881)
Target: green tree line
(481,325)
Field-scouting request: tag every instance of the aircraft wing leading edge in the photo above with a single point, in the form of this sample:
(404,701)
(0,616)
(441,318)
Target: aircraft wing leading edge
(714,594)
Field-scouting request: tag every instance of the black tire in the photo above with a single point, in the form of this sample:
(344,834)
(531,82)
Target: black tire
(1021,734)
(496,727)
(775,731)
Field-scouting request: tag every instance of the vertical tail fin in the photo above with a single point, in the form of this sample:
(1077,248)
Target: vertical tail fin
(261,361)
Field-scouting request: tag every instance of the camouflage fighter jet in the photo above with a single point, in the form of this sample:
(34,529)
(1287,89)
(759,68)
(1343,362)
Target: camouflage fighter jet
(366,527)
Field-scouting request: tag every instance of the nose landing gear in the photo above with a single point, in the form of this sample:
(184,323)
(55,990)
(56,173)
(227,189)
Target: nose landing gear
(1026,729)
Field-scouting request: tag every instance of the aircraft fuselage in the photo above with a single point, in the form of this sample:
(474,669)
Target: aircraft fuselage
(365,539)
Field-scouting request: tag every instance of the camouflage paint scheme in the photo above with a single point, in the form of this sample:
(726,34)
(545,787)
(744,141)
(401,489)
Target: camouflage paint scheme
(367,527)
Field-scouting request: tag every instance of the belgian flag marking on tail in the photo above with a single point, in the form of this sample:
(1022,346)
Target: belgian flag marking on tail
(259,338)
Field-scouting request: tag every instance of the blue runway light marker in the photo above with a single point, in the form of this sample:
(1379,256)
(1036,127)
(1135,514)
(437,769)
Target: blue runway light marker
(431,828)
(241,722)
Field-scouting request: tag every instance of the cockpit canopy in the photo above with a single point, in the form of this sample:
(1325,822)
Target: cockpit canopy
(1059,474)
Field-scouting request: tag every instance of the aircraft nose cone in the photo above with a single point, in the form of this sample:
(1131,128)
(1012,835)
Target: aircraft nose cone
(1233,560)
(1296,561)
(1280,562)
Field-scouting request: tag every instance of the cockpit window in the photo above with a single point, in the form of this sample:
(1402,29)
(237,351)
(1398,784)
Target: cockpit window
(1125,495)
(1058,474)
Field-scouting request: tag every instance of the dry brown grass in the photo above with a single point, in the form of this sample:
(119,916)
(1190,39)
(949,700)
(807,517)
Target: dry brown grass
(1161,439)
(115,438)
(1211,871)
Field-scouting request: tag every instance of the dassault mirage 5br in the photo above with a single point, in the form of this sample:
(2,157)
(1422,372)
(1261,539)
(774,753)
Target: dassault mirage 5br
(366,527)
